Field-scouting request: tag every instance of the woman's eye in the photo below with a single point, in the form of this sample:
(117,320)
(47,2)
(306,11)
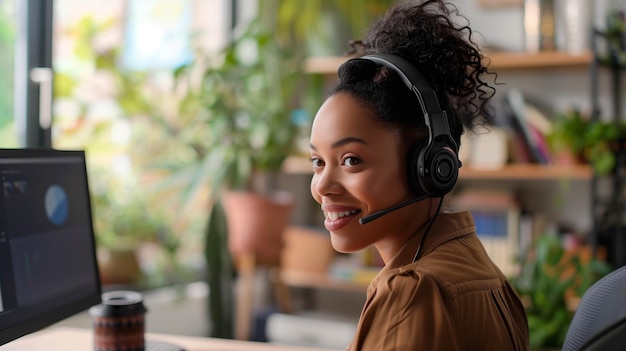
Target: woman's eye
(351,161)
(316,162)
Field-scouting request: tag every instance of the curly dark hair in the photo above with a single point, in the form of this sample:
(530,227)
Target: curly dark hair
(425,34)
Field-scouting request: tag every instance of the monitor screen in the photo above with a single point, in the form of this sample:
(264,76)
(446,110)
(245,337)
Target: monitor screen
(48,268)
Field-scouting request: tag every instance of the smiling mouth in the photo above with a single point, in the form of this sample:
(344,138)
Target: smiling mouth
(336,215)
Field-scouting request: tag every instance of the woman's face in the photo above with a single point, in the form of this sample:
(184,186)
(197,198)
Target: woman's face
(359,168)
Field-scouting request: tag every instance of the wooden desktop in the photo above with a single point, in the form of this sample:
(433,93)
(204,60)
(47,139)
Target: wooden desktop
(81,339)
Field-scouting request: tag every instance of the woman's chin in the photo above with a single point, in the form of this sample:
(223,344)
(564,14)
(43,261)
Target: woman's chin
(345,245)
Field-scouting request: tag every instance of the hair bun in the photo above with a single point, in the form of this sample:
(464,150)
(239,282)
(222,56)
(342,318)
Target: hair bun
(357,69)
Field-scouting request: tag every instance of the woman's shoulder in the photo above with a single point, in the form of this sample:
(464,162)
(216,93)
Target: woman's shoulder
(453,269)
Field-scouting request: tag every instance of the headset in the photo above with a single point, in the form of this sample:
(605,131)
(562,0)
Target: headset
(434,165)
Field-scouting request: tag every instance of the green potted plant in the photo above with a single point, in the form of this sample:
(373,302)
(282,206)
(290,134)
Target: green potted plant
(239,107)
(240,115)
(551,281)
(583,140)
(567,137)
(605,141)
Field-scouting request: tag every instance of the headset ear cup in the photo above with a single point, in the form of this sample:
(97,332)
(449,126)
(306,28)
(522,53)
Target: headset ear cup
(433,171)
(443,170)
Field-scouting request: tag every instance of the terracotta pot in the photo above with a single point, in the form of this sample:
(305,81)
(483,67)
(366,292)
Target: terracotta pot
(256,224)
(118,266)
(568,158)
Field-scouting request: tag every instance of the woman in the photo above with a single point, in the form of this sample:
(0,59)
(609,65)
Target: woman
(384,151)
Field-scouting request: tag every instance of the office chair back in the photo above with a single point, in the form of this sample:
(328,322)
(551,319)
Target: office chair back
(600,319)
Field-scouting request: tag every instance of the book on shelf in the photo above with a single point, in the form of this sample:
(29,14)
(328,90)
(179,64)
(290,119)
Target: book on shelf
(528,136)
(497,219)
(541,144)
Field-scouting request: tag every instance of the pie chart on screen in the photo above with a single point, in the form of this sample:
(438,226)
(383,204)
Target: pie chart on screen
(56,204)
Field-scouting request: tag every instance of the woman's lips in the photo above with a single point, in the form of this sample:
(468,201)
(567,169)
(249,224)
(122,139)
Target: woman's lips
(336,220)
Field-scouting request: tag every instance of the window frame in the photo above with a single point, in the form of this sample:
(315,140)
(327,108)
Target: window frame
(33,73)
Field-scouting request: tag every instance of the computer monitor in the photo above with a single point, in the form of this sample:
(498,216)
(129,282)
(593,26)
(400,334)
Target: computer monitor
(48,268)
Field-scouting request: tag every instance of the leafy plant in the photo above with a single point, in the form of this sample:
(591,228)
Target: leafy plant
(239,107)
(330,24)
(604,144)
(552,277)
(568,132)
(126,224)
(596,142)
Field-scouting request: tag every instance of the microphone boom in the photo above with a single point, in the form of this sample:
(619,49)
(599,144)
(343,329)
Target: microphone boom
(375,215)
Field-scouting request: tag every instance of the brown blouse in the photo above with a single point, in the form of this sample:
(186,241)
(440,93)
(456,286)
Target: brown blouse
(453,298)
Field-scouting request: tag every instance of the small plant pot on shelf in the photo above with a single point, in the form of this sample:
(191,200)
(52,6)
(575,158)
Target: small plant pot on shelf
(256,224)
(118,266)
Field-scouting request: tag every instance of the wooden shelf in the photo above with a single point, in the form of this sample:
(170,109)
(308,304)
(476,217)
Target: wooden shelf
(319,281)
(548,59)
(499,61)
(529,172)
(526,172)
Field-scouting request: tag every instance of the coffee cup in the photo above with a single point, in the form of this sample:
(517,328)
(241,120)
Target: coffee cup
(119,322)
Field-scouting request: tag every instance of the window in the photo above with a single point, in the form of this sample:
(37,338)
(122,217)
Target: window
(8,137)
(113,94)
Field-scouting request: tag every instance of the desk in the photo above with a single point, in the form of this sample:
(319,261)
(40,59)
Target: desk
(80,339)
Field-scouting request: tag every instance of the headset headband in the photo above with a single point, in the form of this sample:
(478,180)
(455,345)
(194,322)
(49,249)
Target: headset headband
(435,119)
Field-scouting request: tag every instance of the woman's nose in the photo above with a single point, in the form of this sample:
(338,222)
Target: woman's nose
(325,182)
